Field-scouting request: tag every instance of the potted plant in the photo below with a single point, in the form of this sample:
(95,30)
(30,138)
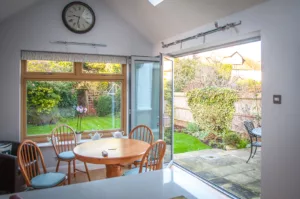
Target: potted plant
(80,112)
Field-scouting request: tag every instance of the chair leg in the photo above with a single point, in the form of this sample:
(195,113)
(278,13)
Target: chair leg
(254,152)
(57,166)
(69,172)
(250,154)
(74,168)
(87,171)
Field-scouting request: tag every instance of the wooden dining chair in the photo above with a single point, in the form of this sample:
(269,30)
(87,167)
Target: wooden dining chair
(30,158)
(152,159)
(64,141)
(143,133)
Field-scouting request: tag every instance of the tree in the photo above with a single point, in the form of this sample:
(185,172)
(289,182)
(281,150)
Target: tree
(184,72)
(49,66)
(98,68)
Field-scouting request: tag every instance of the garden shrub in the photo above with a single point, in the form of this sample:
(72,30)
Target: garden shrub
(192,128)
(213,108)
(104,104)
(167,135)
(201,135)
(68,99)
(242,144)
(231,138)
(41,104)
(249,85)
(48,101)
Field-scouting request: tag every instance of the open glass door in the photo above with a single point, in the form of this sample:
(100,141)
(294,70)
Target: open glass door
(166,105)
(151,97)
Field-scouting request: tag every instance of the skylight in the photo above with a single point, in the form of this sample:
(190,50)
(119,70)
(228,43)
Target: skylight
(155,2)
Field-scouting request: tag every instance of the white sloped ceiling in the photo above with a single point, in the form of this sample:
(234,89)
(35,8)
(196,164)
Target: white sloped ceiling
(172,17)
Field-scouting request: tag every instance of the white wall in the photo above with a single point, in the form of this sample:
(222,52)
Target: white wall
(34,28)
(278,23)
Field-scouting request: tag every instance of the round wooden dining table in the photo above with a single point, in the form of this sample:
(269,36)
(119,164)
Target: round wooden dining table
(120,151)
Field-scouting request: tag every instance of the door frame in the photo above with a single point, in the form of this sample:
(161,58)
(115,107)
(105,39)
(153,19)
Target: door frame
(161,104)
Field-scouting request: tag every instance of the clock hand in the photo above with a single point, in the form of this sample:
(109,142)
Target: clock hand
(78,22)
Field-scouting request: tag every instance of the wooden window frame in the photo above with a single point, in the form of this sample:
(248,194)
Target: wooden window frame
(78,75)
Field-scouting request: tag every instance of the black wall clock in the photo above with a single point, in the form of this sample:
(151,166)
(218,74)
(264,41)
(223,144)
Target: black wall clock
(78,17)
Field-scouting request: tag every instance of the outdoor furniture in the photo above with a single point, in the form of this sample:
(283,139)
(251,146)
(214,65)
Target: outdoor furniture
(152,159)
(253,133)
(143,133)
(30,158)
(64,141)
(119,150)
(12,180)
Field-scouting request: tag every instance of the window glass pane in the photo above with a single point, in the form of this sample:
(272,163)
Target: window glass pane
(50,103)
(102,68)
(50,66)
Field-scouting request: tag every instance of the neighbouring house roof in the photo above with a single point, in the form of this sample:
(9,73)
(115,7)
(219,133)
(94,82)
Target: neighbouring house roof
(235,59)
(238,61)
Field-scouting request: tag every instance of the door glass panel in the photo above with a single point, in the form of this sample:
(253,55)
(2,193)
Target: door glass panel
(145,95)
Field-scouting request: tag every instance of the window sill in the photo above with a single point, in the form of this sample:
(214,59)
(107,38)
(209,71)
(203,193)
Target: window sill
(49,144)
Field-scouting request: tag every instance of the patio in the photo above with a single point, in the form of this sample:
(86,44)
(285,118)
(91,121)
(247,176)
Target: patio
(226,169)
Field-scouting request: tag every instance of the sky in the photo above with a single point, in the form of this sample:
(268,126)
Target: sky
(249,50)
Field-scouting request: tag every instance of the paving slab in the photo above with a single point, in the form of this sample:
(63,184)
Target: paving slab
(256,174)
(240,178)
(255,186)
(241,191)
(246,167)
(206,175)
(221,181)
(226,169)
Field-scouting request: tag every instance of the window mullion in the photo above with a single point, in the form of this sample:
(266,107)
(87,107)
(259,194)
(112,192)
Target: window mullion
(78,68)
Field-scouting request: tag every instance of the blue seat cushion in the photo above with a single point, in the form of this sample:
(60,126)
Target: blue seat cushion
(133,171)
(47,180)
(67,155)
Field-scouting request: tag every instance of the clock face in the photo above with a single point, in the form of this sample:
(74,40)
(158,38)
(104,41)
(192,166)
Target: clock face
(78,17)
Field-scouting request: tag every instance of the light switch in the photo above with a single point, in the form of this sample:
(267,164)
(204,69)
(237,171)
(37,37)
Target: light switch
(277,99)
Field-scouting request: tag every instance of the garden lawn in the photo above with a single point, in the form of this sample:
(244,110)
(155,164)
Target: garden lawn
(88,123)
(185,143)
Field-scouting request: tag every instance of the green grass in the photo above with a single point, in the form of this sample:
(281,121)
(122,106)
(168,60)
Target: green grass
(88,123)
(185,143)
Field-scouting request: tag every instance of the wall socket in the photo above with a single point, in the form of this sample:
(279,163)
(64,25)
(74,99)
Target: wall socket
(277,99)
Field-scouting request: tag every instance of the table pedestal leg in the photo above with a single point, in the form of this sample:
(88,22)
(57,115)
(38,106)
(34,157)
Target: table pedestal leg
(113,170)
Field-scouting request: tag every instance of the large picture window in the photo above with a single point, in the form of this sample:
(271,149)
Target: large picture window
(54,93)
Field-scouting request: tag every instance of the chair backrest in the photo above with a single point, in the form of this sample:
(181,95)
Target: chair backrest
(63,139)
(249,126)
(152,159)
(141,132)
(30,158)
